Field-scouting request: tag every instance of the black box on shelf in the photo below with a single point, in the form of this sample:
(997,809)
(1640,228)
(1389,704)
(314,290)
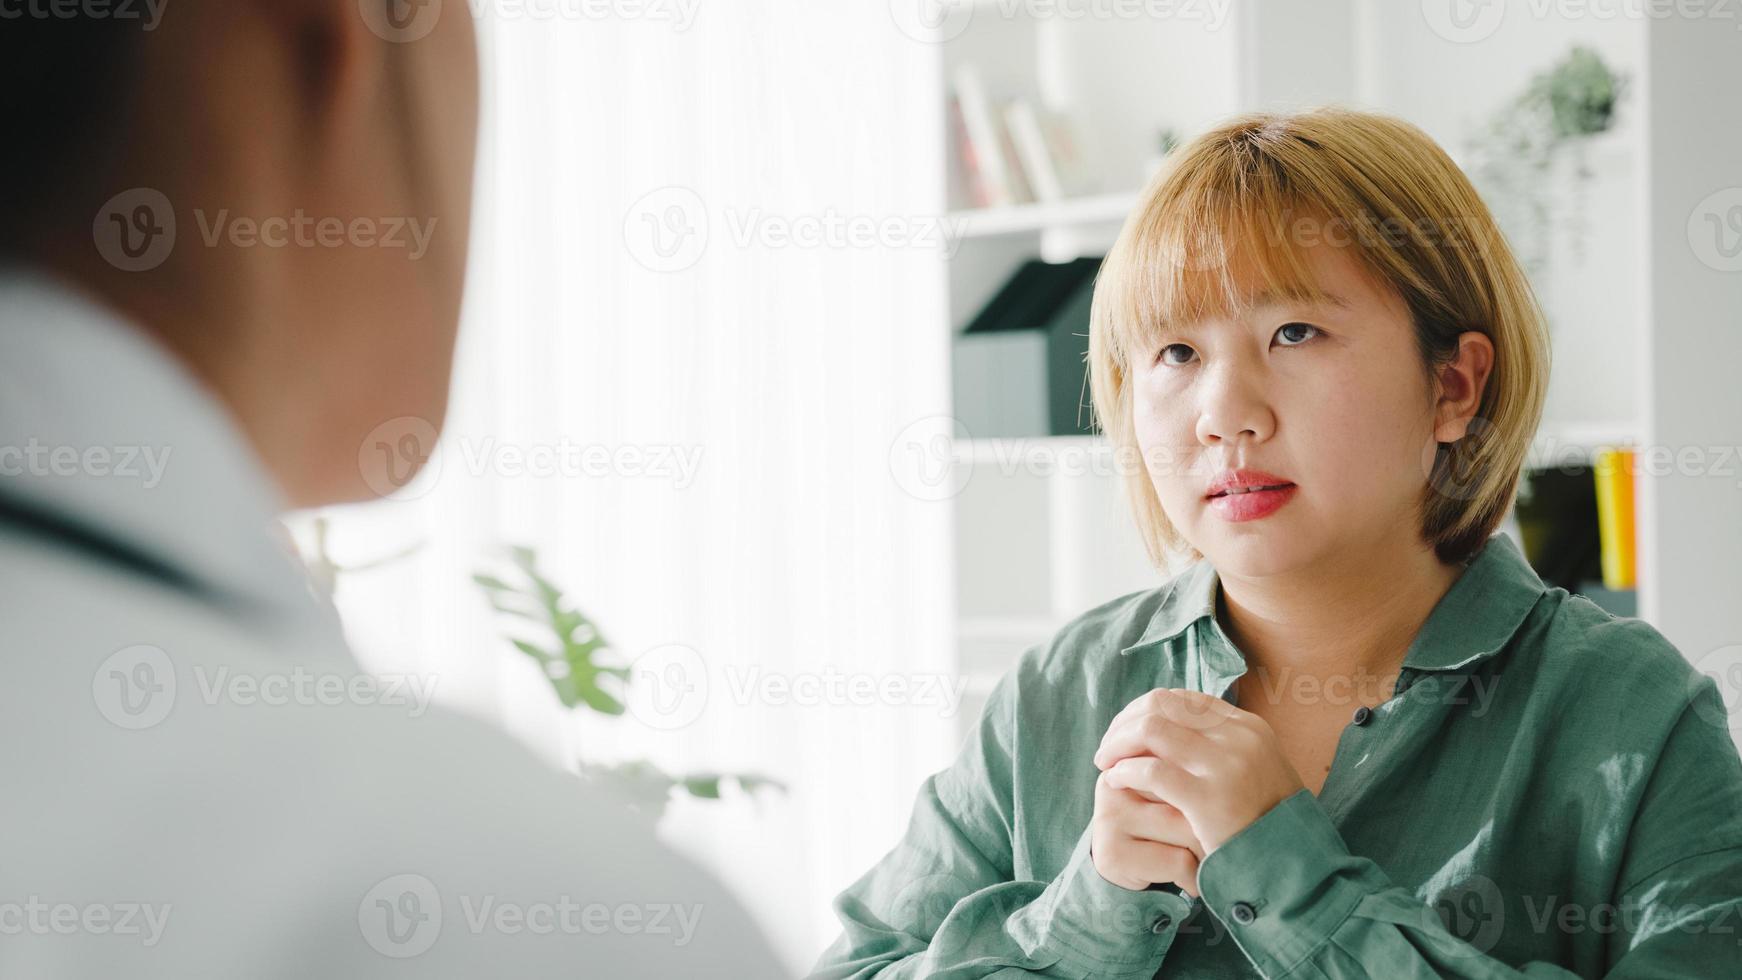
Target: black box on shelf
(1020,367)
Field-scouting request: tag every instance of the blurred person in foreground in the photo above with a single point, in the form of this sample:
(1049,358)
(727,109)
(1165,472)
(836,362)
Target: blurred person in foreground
(235,240)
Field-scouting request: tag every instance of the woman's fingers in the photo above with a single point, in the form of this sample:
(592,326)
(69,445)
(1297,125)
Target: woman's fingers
(1153,734)
(1131,814)
(1155,779)
(1163,824)
(1140,863)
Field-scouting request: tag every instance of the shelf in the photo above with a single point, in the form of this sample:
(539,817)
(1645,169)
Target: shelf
(1576,445)
(1019,219)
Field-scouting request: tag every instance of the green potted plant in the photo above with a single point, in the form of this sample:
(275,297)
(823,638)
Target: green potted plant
(573,656)
(1516,154)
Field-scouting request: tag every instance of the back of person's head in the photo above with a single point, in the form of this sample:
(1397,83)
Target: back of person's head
(64,87)
(278,190)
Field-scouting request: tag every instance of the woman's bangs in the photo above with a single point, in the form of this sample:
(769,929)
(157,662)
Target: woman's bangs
(1211,258)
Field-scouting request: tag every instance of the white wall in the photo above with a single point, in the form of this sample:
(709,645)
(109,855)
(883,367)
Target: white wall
(1692,176)
(1450,87)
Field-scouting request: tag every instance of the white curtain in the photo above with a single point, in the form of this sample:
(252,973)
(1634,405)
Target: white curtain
(770,348)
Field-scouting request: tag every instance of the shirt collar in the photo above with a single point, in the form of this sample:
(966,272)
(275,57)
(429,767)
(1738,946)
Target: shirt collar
(169,475)
(1472,621)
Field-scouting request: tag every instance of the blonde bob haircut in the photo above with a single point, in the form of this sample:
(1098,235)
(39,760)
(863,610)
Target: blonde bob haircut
(1229,218)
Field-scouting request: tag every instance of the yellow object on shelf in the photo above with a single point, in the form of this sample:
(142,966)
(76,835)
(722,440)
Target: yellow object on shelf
(1614,472)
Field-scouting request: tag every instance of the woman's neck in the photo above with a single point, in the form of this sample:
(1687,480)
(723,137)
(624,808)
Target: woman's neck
(1352,621)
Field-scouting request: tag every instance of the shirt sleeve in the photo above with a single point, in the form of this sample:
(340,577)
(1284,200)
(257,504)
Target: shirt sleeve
(1299,905)
(945,901)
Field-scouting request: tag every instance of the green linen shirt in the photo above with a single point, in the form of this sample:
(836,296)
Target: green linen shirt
(1550,791)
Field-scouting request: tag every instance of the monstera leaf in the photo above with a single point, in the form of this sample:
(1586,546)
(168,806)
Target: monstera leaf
(571,651)
(575,658)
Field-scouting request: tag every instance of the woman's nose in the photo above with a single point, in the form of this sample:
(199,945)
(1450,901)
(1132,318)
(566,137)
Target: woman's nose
(1234,407)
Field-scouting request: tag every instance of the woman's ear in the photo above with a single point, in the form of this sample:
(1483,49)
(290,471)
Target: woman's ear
(1461,382)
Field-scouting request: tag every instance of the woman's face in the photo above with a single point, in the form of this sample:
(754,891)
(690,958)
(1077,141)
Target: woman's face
(1330,400)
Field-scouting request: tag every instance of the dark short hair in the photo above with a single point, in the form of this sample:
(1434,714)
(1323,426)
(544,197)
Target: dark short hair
(65,87)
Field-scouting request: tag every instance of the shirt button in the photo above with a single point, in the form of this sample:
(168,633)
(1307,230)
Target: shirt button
(1363,715)
(1161,924)
(1244,913)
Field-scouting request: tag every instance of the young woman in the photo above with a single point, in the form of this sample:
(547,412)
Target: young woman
(1357,736)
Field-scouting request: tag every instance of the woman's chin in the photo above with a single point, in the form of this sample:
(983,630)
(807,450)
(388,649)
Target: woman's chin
(1255,548)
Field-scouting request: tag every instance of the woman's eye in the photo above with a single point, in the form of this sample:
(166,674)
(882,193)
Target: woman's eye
(1290,340)
(1186,353)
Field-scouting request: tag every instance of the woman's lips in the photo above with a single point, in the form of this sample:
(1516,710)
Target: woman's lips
(1253,504)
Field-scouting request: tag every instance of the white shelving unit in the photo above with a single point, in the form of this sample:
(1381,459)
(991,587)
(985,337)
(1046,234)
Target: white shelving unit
(1038,543)
(1122,79)
(1028,219)
(1041,535)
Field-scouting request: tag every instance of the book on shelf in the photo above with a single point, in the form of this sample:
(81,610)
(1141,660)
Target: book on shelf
(1032,152)
(973,189)
(1614,472)
(1021,189)
(1067,149)
(982,142)
(1015,151)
